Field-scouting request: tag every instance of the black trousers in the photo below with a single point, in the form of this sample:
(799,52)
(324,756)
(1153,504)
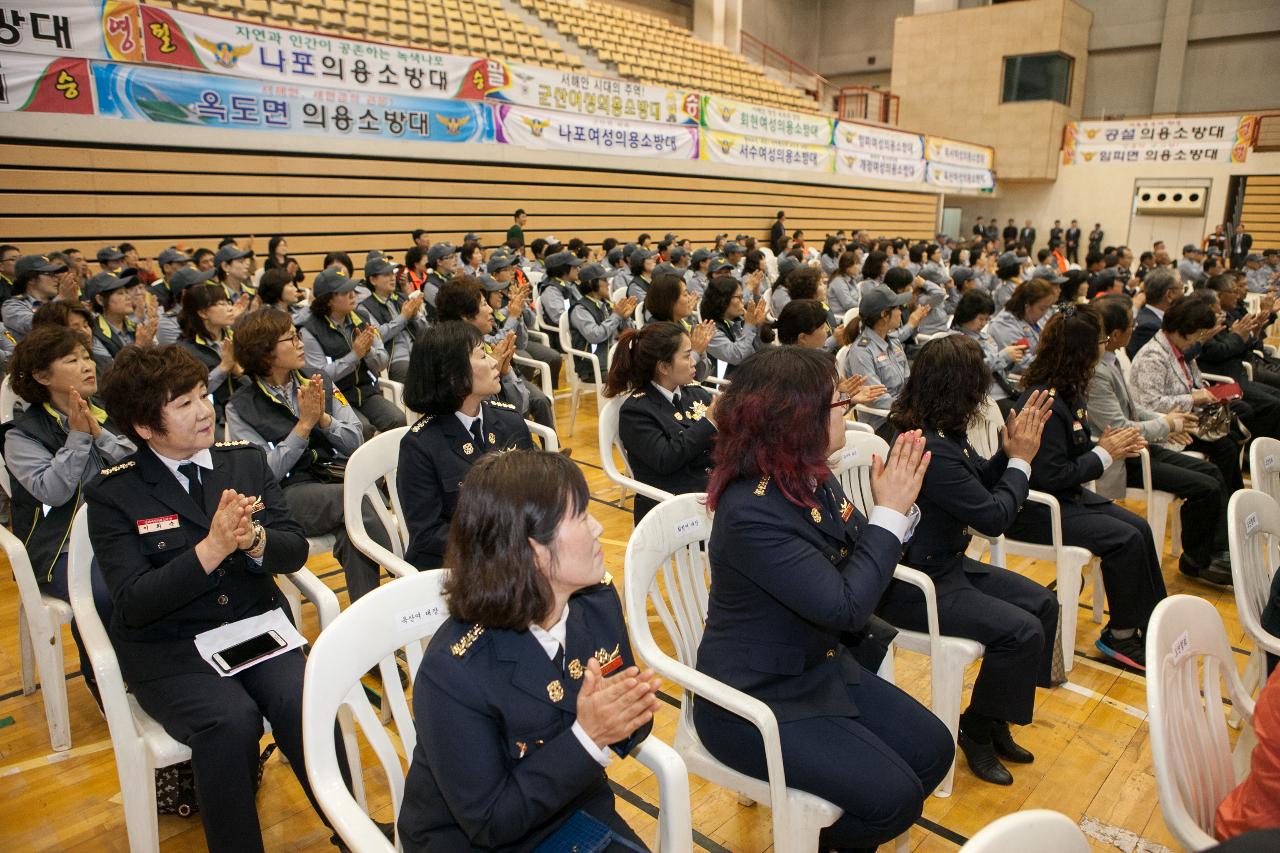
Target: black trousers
(1204,493)
(1122,540)
(1013,616)
(879,766)
(1261,412)
(220,720)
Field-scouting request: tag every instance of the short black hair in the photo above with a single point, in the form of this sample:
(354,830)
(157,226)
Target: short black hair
(440,368)
(519,212)
(1190,315)
(716,298)
(974,303)
(272,284)
(458,299)
(799,317)
(898,279)
(416,233)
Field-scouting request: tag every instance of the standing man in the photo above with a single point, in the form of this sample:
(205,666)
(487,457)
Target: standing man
(992,231)
(421,239)
(778,231)
(1027,236)
(979,229)
(1095,237)
(1073,242)
(1055,233)
(1010,235)
(516,231)
(1241,243)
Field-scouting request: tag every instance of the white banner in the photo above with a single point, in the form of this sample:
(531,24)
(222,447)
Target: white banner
(941,150)
(959,177)
(729,116)
(878,141)
(753,151)
(53,29)
(588,95)
(556,131)
(881,168)
(1225,139)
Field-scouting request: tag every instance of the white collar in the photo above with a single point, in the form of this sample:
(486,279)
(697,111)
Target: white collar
(468,420)
(552,639)
(1159,312)
(670,395)
(202,458)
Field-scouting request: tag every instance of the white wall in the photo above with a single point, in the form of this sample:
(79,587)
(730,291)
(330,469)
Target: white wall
(785,25)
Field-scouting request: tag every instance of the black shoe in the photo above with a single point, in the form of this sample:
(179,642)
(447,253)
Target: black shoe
(983,761)
(1005,746)
(387,829)
(1131,651)
(1217,572)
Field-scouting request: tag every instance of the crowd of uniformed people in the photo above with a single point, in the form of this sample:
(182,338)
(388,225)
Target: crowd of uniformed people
(204,406)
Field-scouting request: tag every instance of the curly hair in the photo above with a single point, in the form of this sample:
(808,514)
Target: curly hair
(143,380)
(1067,352)
(947,385)
(257,334)
(803,283)
(42,346)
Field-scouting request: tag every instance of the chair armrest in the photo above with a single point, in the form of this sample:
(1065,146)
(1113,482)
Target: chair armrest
(544,373)
(1055,515)
(1216,377)
(864,409)
(354,521)
(924,583)
(316,592)
(675,819)
(595,363)
(652,492)
(550,441)
(541,337)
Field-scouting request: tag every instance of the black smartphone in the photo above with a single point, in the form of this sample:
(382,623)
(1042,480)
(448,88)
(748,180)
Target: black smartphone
(248,650)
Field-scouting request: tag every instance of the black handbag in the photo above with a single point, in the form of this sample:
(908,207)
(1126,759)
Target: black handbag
(176,786)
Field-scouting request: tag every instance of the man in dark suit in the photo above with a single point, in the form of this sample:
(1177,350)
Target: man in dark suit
(1240,242)
(1073,242)
(1055,233)
(1010,235)
(1027,237)
(1162,287)
(979,229)
(778,231)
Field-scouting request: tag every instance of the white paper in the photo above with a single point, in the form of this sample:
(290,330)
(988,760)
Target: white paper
(215,640)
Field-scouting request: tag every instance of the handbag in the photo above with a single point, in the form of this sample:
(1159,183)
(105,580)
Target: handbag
(1215,421)
(176,786)
(582,833)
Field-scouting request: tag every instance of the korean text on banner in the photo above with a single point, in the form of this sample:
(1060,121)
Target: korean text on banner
(550,130)
(597,97)
(53,28)
(1225,139)
(208,100)
(729,116)
(293,57)
(878,141)
(880,168)
(939,150)
(753,151)
(40,84)
(959,177)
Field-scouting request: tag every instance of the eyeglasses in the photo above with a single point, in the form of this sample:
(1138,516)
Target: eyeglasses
(846,402)
(295,338)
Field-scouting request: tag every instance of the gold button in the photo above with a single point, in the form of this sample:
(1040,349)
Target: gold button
(222,599)
(831,653)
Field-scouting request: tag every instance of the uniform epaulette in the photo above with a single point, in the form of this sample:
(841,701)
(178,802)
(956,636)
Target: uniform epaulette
(500,404)
(422,421)
(228,445)
(761,486)
(116,469)
(636,395)
(607,579)
(863,342)
(466,640)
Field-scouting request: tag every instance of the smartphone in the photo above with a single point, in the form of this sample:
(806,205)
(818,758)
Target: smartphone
(249,650)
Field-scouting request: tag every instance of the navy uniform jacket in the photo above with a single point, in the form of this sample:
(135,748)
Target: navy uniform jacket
(161,596)
(961,490)
(435,457)
(497,766)
(1146,324)
(668,448)
(1064,462)
(788,584)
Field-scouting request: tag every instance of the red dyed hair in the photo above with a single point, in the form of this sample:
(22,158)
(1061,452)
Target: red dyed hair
(773,422)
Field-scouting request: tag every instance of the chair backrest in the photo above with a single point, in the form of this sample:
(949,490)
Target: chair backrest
(841,355)
(566,335)
(984,434)
(1187,653)
(607,429)
(1122,359)
(376,461)
(1042,830)
(852,466)
(400,615)
(618,294)
(28,589)
(546,435)
(8,400)
(1264,465)
(1253,529)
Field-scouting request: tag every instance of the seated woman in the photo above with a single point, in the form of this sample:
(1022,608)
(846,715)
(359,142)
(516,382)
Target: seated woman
(1198,483)
(1015,618)
(513,311)
(796,572)
(308,431)
(669,301)
(806,283)
(842,288)
(451,380)
(667,423)
(69,314)
(739,331)
(189,535)
(516,716)
(1019,322)
(803,323)
(1164,378)
(169,302)
(206,333)
(876,354)
(398,317)
(972,313)
(52,450)
(277,289)
(1070,349)
(114,328)
(595,322)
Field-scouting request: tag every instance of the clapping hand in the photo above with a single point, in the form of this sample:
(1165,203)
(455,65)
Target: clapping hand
(80,419)
(611,709)
(700,337)
(363,341)
(1122,443)
(918,314)
(895,482)
(311,403)
(626,306)
(230,529)
(755,313)
(1022,430)
(504,351)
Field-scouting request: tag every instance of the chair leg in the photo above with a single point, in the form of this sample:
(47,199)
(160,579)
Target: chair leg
(1175,529)
(53,683)
(1157,518)
(26,653)
(573,407)
(138,790)
(946,689)
(1099,594)
(1070,569)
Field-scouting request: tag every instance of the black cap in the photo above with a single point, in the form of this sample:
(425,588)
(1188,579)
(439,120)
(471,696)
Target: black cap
(331,281)
(109,253)
(699,255)
(229,253)
(499,261)
(377,264)
(678,252)
(105,282)
(37,264)
(172,256)
(718,265)
(186,277)
(563,259)
(491,285)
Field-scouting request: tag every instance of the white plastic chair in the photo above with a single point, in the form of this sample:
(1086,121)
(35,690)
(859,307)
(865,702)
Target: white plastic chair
(544,373)
(948,655)
(141,744)
(671,542)
(1041,830)
(607,433)
(404,614)
(1159,504)
(394,391)
(1189,748)
(1264,465)
(577,387)
(8,400)
(372,461)
(545,434)
(1253,529)
(1069,560)
(40,621)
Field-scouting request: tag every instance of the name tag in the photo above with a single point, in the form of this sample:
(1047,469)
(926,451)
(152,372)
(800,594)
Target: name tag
(882,357)
(154,525)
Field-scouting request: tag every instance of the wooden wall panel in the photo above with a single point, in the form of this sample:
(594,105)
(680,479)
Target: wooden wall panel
(1261,210)
(54,196)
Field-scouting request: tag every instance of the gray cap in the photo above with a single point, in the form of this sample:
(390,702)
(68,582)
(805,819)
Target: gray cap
(377,264)
(37,264)
(961,274)
(787,265)
(640,252)
(669,238)
(172,256)
(491,285)
(1106,276)
(878,299)
(1008,265)
(719,264)
(440,250)
(563,259)
(187,276)
(699,255)
(678,252)
(331,281)
(229,253)
(665,268)
(591,272)
(499,261)
(1253,258)
(615,255)
(109,253)
(935,275)
(104,282)
(731,247)
(1190,247)
(471,237)
(1049,274)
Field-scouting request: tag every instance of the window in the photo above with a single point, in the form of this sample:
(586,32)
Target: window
(1038,77)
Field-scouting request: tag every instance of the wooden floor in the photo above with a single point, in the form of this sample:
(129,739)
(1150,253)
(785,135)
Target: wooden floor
(1090,739)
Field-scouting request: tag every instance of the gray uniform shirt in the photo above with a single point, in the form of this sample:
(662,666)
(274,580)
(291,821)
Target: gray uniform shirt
(318,362)
(842,295)
(882,362)
(344,431)
(54,479)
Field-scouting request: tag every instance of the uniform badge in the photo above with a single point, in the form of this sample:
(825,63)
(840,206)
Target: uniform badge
(575,669)
(492,439)
(523,747)
(554,691)
(468,448)
(699,409)
(815,515)
(1080,413)
(679,416)
(609,661)
(846,510)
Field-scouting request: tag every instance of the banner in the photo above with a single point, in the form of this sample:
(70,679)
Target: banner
(959,177)
(1225,139)
(555,131)
(209,100)
(729,116)
(38,84)
(878,141)
(588,95)
(881,168)
(753,151)
(941,150)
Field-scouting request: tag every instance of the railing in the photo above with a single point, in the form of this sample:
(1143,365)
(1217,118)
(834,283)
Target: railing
(789,71)
(862,103)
